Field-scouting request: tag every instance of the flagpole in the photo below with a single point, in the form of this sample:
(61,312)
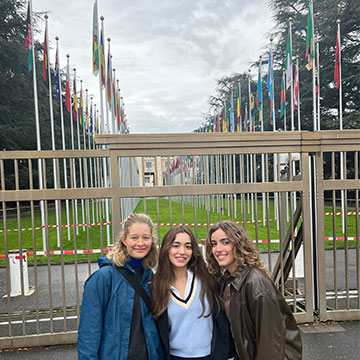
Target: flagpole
(317,73)
(79,148)
(338,21)
(72,146)
(314,69)
(252,124)
(261,119)
(46,62)
(298,93)
(37,128)
(276,195)
(63,138)
(291,76)
(103,126)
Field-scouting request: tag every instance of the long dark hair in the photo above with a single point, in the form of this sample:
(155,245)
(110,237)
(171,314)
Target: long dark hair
(165,274)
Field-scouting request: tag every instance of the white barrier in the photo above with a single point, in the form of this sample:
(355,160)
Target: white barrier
(15,275)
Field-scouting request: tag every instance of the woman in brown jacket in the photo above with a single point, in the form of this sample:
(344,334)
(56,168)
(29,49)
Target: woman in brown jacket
(262,323)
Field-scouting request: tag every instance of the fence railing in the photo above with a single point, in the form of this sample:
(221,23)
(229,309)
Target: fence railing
(295,193)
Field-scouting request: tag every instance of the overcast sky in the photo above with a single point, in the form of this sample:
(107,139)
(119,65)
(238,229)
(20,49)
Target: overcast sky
(167,54)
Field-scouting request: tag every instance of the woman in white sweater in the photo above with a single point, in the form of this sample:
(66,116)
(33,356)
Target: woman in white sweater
(186,303)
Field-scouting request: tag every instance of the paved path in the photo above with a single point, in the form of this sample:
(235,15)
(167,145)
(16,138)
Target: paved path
(320,342)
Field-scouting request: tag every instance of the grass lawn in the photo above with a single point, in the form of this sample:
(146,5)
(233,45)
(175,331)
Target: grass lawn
(24,239)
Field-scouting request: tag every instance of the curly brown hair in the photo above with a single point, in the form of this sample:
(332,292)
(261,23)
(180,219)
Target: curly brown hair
(119,254)
(244,252)
(164,275)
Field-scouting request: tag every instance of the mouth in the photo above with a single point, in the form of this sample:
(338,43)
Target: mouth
(221,257)
(180,258)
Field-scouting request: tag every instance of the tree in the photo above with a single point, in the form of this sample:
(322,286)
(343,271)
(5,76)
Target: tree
(325,15)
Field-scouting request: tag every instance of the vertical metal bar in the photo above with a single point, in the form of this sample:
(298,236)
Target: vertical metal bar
(36,282)
(182,183)
(115,200)
(231,181)
(194,199)
(131,184)
(219,203)
(268,210)
(293,250)
(320,232)
(143,172)
(157,199)
(357,233)
(256,204)
(62,262)
(334,233)
(99,207)
(7,264)
(243,201)
(76,270)
(207,196)
(18,215)
(309,307)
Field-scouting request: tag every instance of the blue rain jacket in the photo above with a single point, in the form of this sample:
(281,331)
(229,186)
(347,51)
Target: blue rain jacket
(106,315)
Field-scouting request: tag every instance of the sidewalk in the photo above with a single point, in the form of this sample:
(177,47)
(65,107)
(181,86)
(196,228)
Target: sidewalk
(321,341)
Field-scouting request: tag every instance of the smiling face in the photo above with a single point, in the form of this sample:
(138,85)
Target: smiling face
(181,250)
(138,240)
(223,250)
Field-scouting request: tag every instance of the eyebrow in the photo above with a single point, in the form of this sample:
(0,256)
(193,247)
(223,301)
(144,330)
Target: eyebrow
(178,242)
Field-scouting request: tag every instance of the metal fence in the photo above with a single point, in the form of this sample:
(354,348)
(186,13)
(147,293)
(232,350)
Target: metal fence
(295,193)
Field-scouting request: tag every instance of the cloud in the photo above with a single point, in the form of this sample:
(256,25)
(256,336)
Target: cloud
(168,55)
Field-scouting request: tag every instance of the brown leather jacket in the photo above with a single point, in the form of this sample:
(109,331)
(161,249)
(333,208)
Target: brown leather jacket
(261,322)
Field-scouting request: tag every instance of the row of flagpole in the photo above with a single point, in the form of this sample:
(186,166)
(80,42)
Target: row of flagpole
(93,123)
(290,80)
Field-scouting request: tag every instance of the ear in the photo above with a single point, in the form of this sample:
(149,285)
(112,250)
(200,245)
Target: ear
(122,240)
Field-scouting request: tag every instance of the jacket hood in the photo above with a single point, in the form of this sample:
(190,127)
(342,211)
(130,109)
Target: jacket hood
(103,260)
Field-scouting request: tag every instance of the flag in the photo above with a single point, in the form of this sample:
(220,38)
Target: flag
(108,79)
(45,60)
(282,99)
(95,44)
(224,119)
(57,75)
(232,122)
(246,119)
(238,108)
(67,91)
(296,88)
(81,108)
(252,113)
(117,104)
(91,119)
(270,86)
(102,58)
(309,41)
(337,62)
(75,110)
(259,94)
(218,123)
(288,63)
(28,39)
(317,81)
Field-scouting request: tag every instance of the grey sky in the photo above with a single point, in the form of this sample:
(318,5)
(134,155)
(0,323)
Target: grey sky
(167,54)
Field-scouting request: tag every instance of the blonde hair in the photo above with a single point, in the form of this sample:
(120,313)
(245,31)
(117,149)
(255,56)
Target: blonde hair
(245,254)
(119,254)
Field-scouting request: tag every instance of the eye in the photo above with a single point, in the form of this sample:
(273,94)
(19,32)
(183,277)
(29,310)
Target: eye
(188,247)
(146,238)
(175,245)
(225,242)
(213,243)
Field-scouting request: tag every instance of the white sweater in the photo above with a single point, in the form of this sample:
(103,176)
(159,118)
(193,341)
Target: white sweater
(190,336)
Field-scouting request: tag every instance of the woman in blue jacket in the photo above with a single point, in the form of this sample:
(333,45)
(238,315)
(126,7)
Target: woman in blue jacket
(115,322)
